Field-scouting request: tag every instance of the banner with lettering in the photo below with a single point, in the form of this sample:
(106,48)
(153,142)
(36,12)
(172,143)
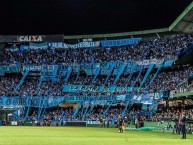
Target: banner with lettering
(120,42)
(20,101)
(38,68)
(49,101)
(10,69)
(104,68)
(89,88)
(38,45)
(150,61)
(78,45)
(89,98)
(91,69)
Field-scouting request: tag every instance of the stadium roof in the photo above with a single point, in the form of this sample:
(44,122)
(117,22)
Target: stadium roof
(75,17)
(184,23)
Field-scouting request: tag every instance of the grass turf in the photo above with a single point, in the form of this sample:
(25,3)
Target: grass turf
(86,136)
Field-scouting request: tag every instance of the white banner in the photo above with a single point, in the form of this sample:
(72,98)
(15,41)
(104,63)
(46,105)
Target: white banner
(78,45)
(150,61)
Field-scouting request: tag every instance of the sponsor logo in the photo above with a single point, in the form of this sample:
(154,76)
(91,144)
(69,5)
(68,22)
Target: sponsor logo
(30,38)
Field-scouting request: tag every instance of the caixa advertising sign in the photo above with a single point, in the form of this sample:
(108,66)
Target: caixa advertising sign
(30,38)
(40,38)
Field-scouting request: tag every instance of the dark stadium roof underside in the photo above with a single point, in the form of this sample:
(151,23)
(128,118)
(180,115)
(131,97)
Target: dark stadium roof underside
(87,17)
(184,23)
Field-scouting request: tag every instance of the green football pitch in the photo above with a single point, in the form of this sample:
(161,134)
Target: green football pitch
(86,136)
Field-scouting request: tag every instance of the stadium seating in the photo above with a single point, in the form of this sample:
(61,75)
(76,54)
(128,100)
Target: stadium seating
(128,73)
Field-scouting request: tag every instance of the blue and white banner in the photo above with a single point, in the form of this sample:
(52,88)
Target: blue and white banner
(150,61)
(78,45)
(168,63)
(120,42)
(89,98)
(91,69)
(38,68)
(88,88)
(38,45)
(19,101)
(83,88)
(12,49)
(10,68)
(120,97)
(34,46)
(147,101)
(104,68)
(137,98)
(24,47)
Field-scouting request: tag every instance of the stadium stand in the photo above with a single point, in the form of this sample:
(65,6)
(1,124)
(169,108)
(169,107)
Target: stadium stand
(103,78)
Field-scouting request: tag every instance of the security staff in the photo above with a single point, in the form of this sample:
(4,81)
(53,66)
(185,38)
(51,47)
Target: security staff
(120,120)
(183,126)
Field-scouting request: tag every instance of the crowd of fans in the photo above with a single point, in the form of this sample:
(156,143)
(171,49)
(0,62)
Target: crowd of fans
(100,114)
(166,80)
(170,79)
(155,48)
(97,114)
(175,114)
(30,87)
(67,114)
